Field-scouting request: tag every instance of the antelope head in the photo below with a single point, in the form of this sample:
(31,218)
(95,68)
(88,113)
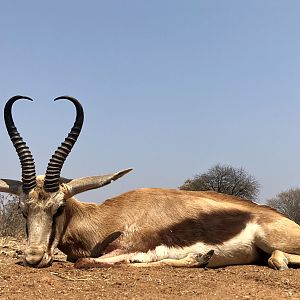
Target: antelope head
(43,198)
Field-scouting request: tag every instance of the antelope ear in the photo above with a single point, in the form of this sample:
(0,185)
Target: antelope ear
(79,185)
(11,186)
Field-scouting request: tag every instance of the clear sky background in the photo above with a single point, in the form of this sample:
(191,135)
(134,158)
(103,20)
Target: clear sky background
(169,88)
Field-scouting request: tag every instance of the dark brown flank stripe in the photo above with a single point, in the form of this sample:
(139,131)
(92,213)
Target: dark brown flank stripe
(212,228)
(209,228)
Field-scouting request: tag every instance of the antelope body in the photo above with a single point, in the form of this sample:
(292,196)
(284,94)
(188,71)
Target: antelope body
(145,227)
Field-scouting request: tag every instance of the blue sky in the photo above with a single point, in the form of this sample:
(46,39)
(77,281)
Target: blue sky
(169,88)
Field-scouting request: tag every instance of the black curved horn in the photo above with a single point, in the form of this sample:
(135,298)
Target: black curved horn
(57,160)
(25,157)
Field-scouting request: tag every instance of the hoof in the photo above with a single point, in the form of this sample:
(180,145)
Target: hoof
(134,261)
(203,260)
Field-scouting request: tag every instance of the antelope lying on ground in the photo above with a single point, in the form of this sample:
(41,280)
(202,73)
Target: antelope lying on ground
(145,227)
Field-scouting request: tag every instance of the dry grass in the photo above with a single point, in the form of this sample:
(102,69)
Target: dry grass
(12,223)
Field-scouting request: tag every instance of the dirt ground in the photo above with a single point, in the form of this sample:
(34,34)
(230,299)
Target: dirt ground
(62,281)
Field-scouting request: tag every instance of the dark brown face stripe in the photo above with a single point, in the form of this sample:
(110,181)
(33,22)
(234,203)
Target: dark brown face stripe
(210,228)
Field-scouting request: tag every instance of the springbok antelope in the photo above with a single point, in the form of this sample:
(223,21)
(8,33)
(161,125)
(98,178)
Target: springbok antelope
(144,227)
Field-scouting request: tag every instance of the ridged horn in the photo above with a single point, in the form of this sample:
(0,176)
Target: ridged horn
(25,157)
(51,183)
